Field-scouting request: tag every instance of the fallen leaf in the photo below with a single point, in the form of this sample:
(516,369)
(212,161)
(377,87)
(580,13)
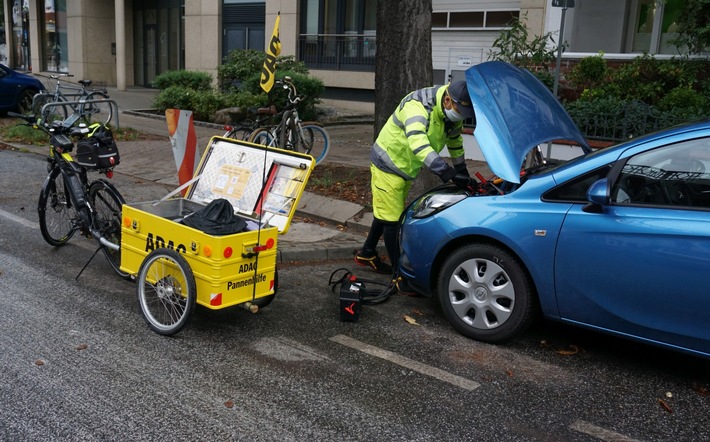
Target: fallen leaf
(410,320)
(573,350)
(81,347)
(39,362)
(229,404)
(509,372)
(665,405)
(701,389)
(418,312)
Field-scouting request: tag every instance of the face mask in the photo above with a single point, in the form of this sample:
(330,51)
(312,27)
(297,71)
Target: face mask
(453,116)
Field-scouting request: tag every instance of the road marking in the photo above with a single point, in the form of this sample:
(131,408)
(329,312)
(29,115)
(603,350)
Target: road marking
(18,219)
(599,432)
(419,367)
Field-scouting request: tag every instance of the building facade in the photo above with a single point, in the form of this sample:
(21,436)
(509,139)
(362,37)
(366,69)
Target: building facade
(128,42)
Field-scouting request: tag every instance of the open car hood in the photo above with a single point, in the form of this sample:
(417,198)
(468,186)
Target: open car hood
(514,113)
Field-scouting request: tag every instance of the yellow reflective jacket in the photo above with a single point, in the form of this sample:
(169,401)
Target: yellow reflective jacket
(415,134)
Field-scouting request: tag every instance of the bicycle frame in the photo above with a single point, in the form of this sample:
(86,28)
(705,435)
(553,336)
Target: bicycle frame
(81,101)
(291,133)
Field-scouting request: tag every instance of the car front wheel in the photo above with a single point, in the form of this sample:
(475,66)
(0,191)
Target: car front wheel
(486,294)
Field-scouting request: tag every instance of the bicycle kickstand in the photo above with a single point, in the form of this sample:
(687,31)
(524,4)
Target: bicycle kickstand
(87,263)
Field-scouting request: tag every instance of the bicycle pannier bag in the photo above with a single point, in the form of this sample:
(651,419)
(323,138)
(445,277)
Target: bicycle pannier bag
(98,150)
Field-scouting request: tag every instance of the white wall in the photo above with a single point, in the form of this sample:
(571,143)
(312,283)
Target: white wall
(597,26)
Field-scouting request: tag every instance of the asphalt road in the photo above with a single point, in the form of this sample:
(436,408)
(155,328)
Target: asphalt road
(77,361)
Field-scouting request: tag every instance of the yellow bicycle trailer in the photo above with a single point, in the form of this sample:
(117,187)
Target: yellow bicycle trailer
(177,266)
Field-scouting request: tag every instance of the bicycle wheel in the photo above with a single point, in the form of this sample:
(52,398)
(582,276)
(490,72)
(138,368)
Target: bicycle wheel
(51,113)
(107,204)
(240,133)
(315,142)
(262,136)
(166,291)
(100,112)
(57,218)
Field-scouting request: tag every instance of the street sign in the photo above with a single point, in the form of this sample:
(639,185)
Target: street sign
(563,3)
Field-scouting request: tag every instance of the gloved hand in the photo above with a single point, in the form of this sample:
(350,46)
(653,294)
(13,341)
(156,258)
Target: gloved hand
(462,169)
(462,181)
(447,173)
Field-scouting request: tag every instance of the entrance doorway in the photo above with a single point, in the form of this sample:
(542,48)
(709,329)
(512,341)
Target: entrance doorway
(159,39)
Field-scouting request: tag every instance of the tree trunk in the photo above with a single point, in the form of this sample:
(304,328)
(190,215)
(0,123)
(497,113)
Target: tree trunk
(403,59)
(403,63)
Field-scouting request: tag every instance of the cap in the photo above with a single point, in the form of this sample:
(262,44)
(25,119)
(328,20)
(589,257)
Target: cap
(458,91)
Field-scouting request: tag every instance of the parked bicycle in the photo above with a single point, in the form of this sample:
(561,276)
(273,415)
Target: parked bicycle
(243,130)
(89,105)
(69,201)
(291,133)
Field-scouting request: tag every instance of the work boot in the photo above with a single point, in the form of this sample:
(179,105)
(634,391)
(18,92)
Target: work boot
(374,262)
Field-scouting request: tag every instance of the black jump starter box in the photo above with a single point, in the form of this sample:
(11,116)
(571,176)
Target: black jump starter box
(351,294)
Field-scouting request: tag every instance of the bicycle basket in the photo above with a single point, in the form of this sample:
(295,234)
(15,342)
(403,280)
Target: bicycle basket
(98,150)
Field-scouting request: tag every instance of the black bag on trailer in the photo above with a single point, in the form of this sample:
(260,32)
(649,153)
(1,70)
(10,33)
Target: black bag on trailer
(98,150)
(217,218)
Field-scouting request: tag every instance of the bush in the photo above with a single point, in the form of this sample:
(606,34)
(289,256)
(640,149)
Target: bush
(684,98)
(174,97)
(589,73)
(241,74)
(203,104)
(242,66)
(535,54)
(200,81)
(239,65)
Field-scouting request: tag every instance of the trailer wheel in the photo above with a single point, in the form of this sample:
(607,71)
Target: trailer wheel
(266,300)
(166,291)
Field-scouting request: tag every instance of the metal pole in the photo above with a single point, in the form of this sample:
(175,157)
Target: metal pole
(559,48)
(557,67)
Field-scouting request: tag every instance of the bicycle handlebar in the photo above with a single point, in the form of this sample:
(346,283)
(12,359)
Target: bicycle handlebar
(293,96)
(31,120)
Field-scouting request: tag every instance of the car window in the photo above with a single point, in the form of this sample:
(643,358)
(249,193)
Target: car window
(676,175)
(575,190)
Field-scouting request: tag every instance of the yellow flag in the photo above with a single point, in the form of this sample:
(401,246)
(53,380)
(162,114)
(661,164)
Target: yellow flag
(273,51)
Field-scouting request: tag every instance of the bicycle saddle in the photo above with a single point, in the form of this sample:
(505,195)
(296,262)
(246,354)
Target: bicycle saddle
(85,83)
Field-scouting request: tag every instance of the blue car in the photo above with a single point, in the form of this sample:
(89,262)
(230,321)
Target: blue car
(17,90)
(616,240)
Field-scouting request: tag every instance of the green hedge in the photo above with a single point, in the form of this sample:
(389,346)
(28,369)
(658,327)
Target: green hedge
(239,86)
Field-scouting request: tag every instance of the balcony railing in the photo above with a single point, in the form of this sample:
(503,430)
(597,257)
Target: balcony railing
(338,52)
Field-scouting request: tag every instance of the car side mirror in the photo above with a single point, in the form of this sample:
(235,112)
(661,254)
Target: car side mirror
(598,195)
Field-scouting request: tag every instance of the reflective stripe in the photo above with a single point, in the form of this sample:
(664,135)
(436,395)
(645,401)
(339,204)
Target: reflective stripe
(417,119)
(382,161)
(421,148)
(396,121)
(415,132)
(435,163)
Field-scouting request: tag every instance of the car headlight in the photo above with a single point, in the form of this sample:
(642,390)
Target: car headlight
(436,202)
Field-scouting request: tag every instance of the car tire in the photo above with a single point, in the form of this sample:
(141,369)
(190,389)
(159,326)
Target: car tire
(486,294)
(24,101)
